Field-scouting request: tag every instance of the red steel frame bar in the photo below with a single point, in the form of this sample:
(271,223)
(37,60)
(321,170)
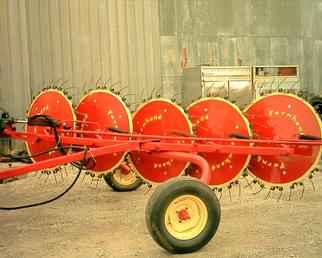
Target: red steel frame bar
(191,138)
(49,163)
(150,143)
(193,158)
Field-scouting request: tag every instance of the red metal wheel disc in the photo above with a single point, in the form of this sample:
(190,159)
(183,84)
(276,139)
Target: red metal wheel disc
(56,105)
(101,110)
(283,116)
(159,117)
(218,118)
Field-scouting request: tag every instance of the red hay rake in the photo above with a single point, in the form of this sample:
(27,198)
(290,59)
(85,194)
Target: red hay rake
(277,140)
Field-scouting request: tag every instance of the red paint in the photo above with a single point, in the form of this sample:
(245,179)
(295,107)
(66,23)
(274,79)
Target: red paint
(217,118)
(100,110)
(159,117)
(183,215)
(54,104)
(195,159)
(277,117)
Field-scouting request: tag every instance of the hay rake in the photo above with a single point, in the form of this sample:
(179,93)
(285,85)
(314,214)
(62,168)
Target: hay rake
(277,139)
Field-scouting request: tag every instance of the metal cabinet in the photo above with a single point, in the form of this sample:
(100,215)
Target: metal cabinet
(230,82)
(238,84)
(268,79)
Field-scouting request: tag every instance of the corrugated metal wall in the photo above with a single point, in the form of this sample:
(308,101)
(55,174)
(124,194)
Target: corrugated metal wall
(80,41)
(257,32)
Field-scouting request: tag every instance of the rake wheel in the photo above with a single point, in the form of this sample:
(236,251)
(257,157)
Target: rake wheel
(159,117)
(182,215)
(103,111)
(218,118)
(55,104)
(284,116)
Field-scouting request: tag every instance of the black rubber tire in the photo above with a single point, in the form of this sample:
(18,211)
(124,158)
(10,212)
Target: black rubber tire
(316,102)
(160,200)
(116,186)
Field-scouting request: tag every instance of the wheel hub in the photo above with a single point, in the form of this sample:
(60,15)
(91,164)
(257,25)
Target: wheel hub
(186,217)
(183,215)
(123,177)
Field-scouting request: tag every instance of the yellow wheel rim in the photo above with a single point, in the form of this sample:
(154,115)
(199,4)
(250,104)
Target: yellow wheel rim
(186,217)
(124,179)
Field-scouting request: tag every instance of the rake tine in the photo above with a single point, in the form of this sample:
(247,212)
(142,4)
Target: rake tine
(92,176)
(61,175)
(141,94)
(280,196)
(105,85)
(98,81)
(55,178)
(84,175)
(268,194)
(151,95)
(313,186)
(149,186)
(123,88)
(63,82)
(220,191)
(41,177)
(290,194)
(115,83)
(50,83)
(303,189)
(260,190)
(84,86)
(46,178)
(248,184)
(239,191)
(65,170)
(158,92)
(58,82)
(229,194)
(97,181)
(40,174)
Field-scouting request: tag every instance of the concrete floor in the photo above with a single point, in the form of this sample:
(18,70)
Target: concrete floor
(94,221)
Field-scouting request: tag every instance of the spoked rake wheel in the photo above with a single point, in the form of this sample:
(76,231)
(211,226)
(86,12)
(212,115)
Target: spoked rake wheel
(159,117)
(182,215)
(103,111)
(54,104)
(218,118)
(278,117)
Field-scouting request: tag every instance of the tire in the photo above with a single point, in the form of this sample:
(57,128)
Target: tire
(130,182)
(316,102)
(189,195)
